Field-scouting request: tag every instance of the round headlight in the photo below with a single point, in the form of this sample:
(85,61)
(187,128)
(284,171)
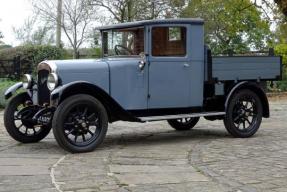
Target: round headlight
(27,81)
(53,81)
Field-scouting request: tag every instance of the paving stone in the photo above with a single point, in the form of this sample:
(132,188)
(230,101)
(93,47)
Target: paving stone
(160,178)
(150,169)
(24,170)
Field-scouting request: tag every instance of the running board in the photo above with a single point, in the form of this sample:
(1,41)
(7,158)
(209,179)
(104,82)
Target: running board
(180,116)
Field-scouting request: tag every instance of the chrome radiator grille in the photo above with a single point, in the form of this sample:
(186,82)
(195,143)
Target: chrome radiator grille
(43,91)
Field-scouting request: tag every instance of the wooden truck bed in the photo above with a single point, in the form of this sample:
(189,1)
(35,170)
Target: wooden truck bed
(246,68)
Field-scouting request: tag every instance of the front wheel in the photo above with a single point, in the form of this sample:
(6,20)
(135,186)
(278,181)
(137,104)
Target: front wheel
(184,123)
(18,120)
(244,114)
(80,123)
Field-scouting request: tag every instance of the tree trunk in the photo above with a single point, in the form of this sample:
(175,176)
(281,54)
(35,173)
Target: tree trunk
(59,24)
(130,10)
(76,54)
(153,10)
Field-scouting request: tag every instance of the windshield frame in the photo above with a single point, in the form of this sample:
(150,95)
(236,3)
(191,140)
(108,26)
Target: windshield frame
(105,43)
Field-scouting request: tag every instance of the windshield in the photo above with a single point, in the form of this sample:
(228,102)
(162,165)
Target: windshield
(123,42)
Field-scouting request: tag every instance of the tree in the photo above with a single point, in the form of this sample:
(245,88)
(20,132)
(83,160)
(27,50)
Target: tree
(1,37)
(59,23)
(283,5)
(32,34)
(281,29)
(276,13)
(230,24)
(77,15)
(131,10)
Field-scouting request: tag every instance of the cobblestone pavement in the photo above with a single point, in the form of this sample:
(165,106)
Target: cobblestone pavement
(154,157)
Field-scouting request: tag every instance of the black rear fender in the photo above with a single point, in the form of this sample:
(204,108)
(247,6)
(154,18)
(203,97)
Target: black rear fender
(253,86)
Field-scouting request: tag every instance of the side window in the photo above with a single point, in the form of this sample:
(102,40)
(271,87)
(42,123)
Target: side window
(168,41)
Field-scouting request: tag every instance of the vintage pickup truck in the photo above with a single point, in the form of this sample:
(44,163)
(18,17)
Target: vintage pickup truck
(149,71)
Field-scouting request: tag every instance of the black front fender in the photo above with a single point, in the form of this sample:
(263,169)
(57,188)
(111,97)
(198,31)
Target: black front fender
(58,92)
(115,111)
(11,90)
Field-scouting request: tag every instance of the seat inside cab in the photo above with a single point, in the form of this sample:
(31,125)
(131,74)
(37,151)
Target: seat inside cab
(168,41)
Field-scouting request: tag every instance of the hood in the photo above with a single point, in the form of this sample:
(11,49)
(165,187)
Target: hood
(79,65)
(95,71)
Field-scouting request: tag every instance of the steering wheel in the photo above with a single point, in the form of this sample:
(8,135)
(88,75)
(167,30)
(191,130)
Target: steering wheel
(124,50)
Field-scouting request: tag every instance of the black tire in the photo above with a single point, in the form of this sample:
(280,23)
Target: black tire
(244,108)
(80,116)
(22,131)
(183,124)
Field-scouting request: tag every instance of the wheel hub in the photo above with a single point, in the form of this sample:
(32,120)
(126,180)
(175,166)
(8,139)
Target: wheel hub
(26,117)
(242,112)
(81,125)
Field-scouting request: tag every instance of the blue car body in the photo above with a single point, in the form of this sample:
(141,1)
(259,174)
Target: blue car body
(150,71)
(166,84)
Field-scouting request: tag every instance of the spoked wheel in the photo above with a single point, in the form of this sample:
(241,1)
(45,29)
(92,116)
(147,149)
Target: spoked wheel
(244,114)
(80,123)
(18,121)
(184,123)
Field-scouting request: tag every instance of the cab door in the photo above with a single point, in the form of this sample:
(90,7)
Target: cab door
(169,67)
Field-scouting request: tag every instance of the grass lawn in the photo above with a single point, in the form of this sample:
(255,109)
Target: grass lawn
(4,85)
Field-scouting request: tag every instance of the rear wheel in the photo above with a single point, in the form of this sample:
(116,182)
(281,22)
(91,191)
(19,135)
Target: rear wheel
(18,120)
(184,123)
(243,114)
(80,123)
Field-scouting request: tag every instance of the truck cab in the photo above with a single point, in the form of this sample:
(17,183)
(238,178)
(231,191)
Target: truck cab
(149,71)
(167,73)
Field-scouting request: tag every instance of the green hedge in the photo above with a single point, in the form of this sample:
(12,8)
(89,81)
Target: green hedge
(281,50)
(280,85)
(4,85)
(31,55)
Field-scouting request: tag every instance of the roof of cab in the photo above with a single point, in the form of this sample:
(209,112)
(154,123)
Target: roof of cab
(197,21)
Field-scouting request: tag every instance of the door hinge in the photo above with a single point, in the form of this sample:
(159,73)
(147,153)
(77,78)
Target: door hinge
(148,96)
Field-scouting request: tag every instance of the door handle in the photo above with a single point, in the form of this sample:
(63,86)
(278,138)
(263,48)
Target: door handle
(142,65)
(186,65)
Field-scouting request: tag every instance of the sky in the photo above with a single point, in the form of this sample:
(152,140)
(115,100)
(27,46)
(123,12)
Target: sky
(12,14)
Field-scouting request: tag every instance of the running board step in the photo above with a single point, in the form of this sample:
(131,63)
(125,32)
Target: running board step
(180,116)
